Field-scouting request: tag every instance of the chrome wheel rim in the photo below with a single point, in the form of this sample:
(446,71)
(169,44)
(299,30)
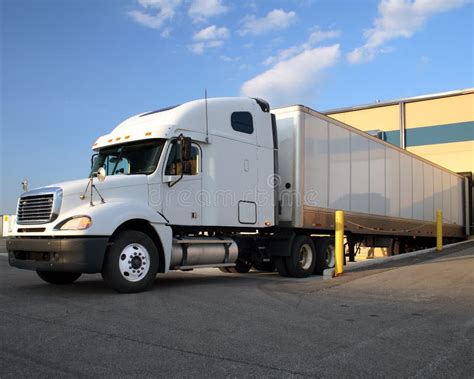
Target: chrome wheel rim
(134,262)
(306,256)
(330,256)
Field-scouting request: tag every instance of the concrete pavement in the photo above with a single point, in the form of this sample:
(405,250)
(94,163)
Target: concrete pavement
(410,318)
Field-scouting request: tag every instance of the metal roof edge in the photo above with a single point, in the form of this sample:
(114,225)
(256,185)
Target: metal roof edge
(438,95)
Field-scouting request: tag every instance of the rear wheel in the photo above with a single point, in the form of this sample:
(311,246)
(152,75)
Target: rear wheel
(131,262)
(55,277)
(325,255)
(302,258)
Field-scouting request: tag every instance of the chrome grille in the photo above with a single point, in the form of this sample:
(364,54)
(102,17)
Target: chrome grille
(39,206)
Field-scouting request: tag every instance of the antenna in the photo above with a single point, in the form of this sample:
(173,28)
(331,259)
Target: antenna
(207,119)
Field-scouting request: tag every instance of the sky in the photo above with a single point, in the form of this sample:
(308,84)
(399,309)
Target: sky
(71,70)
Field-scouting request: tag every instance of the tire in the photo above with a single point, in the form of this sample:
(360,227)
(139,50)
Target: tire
(265,266)
(131,262)
(325,255)
(302,259)
(280,265)
(55,277)
(241,267)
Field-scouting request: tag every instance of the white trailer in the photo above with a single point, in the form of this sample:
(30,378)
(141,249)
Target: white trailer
(228,183)
(383,189)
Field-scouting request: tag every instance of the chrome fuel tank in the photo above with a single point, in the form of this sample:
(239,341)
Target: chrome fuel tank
(194,252)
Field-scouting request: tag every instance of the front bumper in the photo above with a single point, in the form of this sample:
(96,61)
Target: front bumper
(84,255)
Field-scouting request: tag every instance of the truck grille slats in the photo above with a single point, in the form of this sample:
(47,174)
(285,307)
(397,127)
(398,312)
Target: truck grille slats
(34,209)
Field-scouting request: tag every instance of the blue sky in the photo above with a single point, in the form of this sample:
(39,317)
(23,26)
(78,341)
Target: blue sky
(73,69)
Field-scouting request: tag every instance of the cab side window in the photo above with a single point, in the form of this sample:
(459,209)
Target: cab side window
(174,166)
(242,122)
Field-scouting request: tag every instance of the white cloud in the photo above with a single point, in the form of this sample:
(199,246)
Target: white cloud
(317,36)
(201,10)
(225,58)
(210,37)
(398,18)
(321,35)
(166,32)
(293,79)
(274,20)
(155,13)
(199,47)
(211,33)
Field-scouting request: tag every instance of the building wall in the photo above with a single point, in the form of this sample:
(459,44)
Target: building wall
(384,118)
(438,128)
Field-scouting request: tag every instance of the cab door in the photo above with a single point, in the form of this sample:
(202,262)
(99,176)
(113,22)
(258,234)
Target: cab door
(180,190)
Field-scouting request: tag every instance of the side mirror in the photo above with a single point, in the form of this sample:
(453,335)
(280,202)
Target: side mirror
(186,149)
(101,174)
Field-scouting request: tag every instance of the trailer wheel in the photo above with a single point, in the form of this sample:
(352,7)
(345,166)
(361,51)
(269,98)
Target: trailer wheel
(302,259)
(55,277)
(325,255)
(131,262)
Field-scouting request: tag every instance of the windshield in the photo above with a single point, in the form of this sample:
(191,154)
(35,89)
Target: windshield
(129,159)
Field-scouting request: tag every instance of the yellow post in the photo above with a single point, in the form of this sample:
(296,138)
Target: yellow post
(439,230)
(339,244)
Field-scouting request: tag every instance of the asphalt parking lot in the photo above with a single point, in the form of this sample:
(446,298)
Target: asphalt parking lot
(411,318)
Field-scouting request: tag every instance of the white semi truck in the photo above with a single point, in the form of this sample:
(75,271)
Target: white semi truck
(229,183)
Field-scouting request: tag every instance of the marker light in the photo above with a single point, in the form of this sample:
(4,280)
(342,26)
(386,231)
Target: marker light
(75,223)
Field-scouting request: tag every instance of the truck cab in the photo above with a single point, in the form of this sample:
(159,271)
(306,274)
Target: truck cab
(168,189)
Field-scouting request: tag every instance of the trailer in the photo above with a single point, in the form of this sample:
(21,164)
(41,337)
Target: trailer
(232,184)
(389,195)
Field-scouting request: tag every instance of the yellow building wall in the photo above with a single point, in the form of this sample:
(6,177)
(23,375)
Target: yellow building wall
(455,156)
(382,118)
(446,110)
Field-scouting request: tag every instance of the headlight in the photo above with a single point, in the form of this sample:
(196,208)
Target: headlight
(75,223)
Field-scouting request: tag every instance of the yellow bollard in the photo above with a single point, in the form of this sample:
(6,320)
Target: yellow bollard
(439,230)
(339,244)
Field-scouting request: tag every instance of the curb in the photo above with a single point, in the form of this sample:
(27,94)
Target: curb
(329,272)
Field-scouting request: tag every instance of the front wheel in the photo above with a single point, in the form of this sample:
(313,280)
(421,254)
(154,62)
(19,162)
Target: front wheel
(55,277)
(131,262)
(302,259)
